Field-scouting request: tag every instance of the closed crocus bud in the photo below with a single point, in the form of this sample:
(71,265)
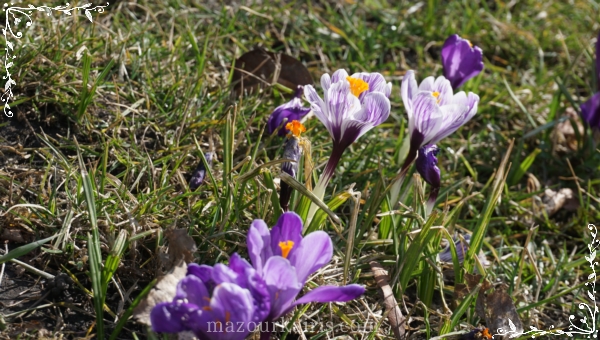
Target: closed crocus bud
(461,60)
(200,172)
(427,166)
(292,110)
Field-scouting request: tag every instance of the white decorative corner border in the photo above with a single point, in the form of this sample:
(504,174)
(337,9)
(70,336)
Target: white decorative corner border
(14,15)
(589,309)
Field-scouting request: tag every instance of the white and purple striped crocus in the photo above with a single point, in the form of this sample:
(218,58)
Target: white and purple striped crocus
(285,260)
(461,60)
(292,110)
(350,107)
(590,110)
(427,167)
(434,111)
(215,303)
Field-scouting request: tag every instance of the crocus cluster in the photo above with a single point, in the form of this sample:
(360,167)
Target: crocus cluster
(434,111)
(227,302)
(590,110)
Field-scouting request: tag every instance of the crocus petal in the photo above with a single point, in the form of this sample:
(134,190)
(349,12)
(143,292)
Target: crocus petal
(461,60)
(170,317)
(317,104)
(325,294)
(282,282)
(376,83)
(428,118)
(408,91)
(340,103)
(457,114)
(426,165)
(315,251)
(259,244)
(203,271)
(339,75)
(325,81)
(444,89)
(288,228)
(427,84)
(376,109)
(233,307)
(590,111)
(192,289)
(247,277)
(222,273)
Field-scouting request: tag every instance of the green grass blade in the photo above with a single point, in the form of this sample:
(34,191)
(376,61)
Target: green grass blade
(523,167)
(480,229)
(24,250)
(413,254)
(95,254)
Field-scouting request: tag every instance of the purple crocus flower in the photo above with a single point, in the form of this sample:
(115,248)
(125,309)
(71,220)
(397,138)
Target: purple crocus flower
(590,110)
(462,61)
(198,175)
(461,249)
(351,106)
(285,260)
(434,111)
(426,165)
(220,302)
(292,110)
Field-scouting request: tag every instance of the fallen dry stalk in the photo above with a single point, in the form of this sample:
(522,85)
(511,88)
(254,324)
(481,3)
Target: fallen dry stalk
(397,321)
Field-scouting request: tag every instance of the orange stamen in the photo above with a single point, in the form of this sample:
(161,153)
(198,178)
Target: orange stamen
(436,94)
(470,44)
(357,86)
(295,128)
(285,248)
(486,333)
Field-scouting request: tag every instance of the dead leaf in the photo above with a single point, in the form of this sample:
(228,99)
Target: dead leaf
(181,247)
(563,199)
(164,291)
(260,68)
(13,235)
(397,321)
(181,252)
(564,138)
(502,313)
